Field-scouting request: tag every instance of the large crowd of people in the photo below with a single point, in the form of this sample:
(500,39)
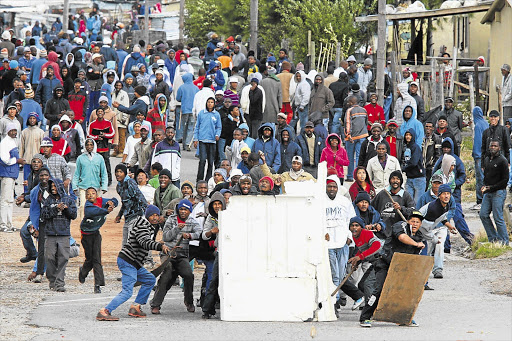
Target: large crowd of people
(72,101)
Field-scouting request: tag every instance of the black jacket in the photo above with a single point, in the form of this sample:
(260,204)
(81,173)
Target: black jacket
(499,133)
(53,109)
(431,150)
(319,146)
(495,173)
(340,91)
(420,104)
(256,104)
(449,134)
(369,150)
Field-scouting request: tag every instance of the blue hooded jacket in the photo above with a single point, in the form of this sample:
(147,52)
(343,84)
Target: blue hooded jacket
(480,125)
(460,171)
(94,216)
(219,78)
(134,59)
(249,141)
(271,148)
(57,223)
(412,158)
(288,152)
(171,66)
(208,125)
(376,219)
(186,93)
(413,123)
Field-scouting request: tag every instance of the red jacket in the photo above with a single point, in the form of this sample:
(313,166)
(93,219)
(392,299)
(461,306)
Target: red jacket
(367,244)
(154,117)
(78,103)
(375,114)
(105,126)
(60,147)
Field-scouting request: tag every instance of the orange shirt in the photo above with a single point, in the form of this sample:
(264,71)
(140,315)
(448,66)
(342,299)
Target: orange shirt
(225,61)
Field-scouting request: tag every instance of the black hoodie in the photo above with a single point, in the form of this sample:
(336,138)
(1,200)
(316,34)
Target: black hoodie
(54,107)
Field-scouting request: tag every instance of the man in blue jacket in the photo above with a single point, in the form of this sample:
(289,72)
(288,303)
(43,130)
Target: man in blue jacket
(140,105)
(185,95)
(44,91)
(206,134)
(460,178)
(411,122)
(289,149)
(36,68)
(267,144)
(480,126)
(216,76)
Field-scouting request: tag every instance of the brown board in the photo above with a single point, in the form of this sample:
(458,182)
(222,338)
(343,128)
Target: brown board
(403,288)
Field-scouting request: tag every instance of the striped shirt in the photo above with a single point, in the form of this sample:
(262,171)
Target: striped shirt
(140,240)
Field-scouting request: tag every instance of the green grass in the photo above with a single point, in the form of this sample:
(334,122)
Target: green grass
(484,249)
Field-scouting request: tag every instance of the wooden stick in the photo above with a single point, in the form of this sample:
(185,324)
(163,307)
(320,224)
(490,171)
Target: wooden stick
(399,212)
(343,282)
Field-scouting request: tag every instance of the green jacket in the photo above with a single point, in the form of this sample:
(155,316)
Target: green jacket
(171,192)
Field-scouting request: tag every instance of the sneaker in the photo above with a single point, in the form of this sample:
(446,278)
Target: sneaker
(188,149)
(38,279)
(60,289)
(358,303)
(476,207)
(97,289)
(413,324)
(81,278)
(190,308)
(366,324)
(155,310)
(427,287)
(438,274)
(27,259)
(136,311)
(104,315)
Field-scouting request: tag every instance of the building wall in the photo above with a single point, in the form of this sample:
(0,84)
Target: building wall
(501,51)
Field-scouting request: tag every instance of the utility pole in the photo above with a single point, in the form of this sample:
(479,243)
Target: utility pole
(381,51)
(65,16)
(146,22)
(253,28)
(182,19)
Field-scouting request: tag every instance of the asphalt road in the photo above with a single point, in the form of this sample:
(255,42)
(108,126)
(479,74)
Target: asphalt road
(460,307)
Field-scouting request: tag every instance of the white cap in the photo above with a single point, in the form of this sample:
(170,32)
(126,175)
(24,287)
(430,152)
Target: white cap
(219,92)
(233,80)
(103,99)
(351,59)
(6,35)
(159,72)
(96,55)
(107,41)
(160,62)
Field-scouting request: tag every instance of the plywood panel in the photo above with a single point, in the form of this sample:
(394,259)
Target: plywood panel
(403,288)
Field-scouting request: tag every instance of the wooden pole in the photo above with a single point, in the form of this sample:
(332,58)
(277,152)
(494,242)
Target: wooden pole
(381,51)
(433,84)
(146,22)
(313,55)
(317,66)
(471,92)
(476,80)
(338,54)
(454,71)
(441,82)
(182,19)
(253,27)
(65,16)
(310,53)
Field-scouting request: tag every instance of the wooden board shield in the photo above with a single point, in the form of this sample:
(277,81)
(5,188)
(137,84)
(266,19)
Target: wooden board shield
(403,288)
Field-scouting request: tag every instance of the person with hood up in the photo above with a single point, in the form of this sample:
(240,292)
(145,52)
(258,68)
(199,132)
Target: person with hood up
(140,105)
(215,74)
(401,200)
(273,93)
(67,80)
(185,95)
(179,225)
(9,171)
(269,146)
(289,149)
(132,59)
(369,145)
(338,212)
(412,165)
(71,136)
(480,125)
(335,155)
(430,149)
(9,118)
(311,145)
(157,116)
(160,86)
(90,172)
(206,134)
(73,68)
(459,176)
(57,211)
(411,122)
(60,145)
(300,100)
(128,86)
(362,183)
(209,234)
(403,100)
(369,215)
(53,61)
(56,106)
(249,141)
(321,99)
(94,216)
(26,61)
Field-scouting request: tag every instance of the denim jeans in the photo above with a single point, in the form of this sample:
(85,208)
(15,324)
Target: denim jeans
(302,116)
(213,289)
(479,174)
(416,187)
(130,276)
(206,153)
(461,226)
(221,145)
(353,148)
(338,259)
(510,173)
(437,243)
(209,271)
(26,174)
(493,202)
(28,243)
(336,121)
(178,127)
(387,106)
(187,128)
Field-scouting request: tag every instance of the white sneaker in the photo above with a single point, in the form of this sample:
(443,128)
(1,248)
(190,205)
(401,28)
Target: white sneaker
(476,207)
(38,279)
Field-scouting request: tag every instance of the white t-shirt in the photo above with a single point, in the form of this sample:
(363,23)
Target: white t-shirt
(148,192)
(129,147)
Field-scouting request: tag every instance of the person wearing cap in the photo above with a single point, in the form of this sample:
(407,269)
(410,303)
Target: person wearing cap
(283,57)
(506,92)
(365,74)
(311,145)
(165,194)
(294,173)
(282,125)
(351,60)
(26,61)
(405,237)
(132,59)
(160,86)
(96,209)
(130,263)
(273,93)
(7,44)
(10,118)
(232,180)
(71,136)
(369,145)
(496,175)
(375,112)
(454,119)
(356,122)
(443,131)
(107,87)
(177,226)
(120,96)
(131,142)
(403,100)
(109,115)
(29,105)
(496,132)
(431,149)
(94,72)
(36,68)
(245,186)
(267,144)
(420,103)
(102,131)
(9,170)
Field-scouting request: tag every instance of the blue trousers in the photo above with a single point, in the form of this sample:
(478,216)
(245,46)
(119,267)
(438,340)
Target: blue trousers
(338,259)
(221,145)
(416,187)
(26,173)
(302,116)
(353,149)
(336,121)
(493,202)
(130,276)
(206,153)
(387,106)
(479,175)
